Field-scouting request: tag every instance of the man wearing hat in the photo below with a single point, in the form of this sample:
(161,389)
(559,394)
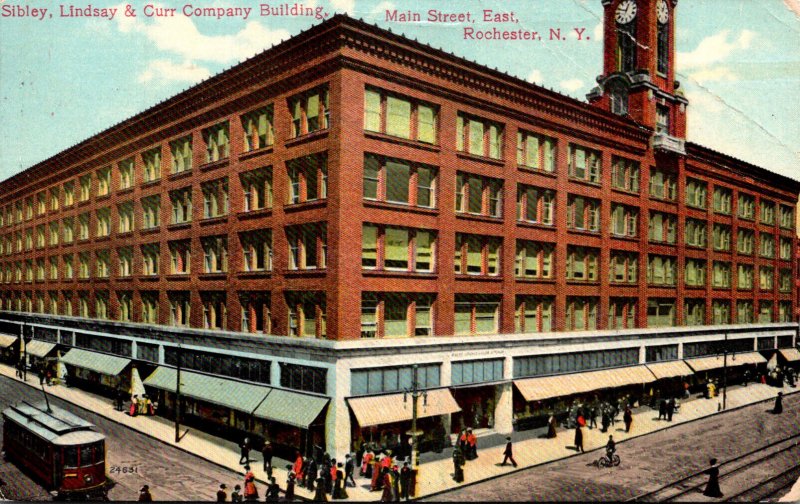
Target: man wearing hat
(144,494)
(509,453)
(222,495)
(236,495)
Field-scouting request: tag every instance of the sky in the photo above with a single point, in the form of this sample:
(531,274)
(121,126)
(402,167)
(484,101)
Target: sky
(64,79)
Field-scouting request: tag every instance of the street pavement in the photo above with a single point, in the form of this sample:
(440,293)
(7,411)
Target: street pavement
(435,475)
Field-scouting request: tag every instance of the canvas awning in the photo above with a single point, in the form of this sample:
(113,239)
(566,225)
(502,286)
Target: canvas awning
(110,365)
(790,354)
(39,348)
(671,369)
(718,361)
(6,340)
(220,391)
(547,387)
(385,409)
(291,408)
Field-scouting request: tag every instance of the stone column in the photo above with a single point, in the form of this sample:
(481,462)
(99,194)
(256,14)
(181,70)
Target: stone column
(337,421)
(504,404)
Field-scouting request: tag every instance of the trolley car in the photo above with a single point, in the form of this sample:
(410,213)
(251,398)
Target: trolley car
(61,450)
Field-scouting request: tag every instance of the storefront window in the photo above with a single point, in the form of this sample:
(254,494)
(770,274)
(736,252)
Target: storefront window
(377,381)
(477,371)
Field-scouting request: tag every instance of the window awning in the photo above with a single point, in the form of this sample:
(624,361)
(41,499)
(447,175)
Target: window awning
(718,361)
(671,369)
(220,391)
(6,340)
(547,387)
(110,365)
(291,408)
(790,354)
(385,409)
(39,348)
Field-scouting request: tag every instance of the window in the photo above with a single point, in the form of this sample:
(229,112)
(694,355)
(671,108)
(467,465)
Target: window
(662,120)
(310,379)
(398,181)
(150,307)
(40,236)
(582,264)
(584,164)
(306,312)
(180,257)
(83,304)
(538,365)
(478,136)
(69,272)
(69,197)
(626,47)
(765,311)
(744,273)
(215,254)
(766,277)
(767,245)
(84,266)
(745,240)
(624,220)
(581,313)
(308,178)
(533,314)
(67,230)
(695,273)
(696,193)
(537,152)
(786,217)
(307,246)
(399,116)
(695,233)
(662,184)
(395,248)
(661,270)
(53,269)
(180,309)
(660,312)
(396,315)
(663,47)
(534,260)
(618,97)
(784,311)
(125,212)
(54,233)
(126,179)
(721,275)
(583,214)
(663,227)
(40,270)
(104,181)
(181,150)
(476,371)
(102,263)
(256,189)
(383,380)
(55,197)
(623,267)
(622,313)
(477,255)
(535,205)
(722,237)
(215,198)
(103,217)
(258,128)
(476,314)
(151,210)
(625,174)
(785,281)
(125,261)
(152,164)
(247,370)
(181,201)
(722,200)
(101,305)
(309,111)
(786,249)
(744,312)
(767,212)
(150,259)
(86,187)
(746,206)
(255,312)
(256,250)
(29,238)
(479,195)
(41,203)
(125,303)
(217,142)
(215,312)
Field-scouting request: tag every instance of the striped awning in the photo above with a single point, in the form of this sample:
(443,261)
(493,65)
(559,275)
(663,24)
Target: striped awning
(6,340)
(547,387)
(39,348)
(671,369)
(718,361)
(291,408)
(790,354)
(386,409)
(110,365)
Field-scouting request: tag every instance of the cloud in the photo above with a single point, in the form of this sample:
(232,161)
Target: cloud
(571,84)
(164,70)
(720,73)
(597,33)
(382,7)
(348,6)
(535,76)
(714,49)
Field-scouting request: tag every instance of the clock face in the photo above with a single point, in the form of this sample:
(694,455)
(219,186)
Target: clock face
(663,12)
(626,11)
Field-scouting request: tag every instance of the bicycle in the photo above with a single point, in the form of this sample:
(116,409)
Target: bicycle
(605,461)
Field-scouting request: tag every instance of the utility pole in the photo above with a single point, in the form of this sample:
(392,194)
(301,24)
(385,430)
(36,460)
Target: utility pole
(725,373)
(24,344)
(178,395)
(415,394)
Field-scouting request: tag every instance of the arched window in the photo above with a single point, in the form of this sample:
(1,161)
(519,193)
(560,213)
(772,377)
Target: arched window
(663,48)
(618,94)
(626,47)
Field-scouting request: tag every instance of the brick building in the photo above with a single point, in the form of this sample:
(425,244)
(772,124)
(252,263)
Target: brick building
(310,223)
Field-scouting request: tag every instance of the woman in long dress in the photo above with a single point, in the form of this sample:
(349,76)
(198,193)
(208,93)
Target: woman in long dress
(551,427)
(778,409)
(712,488)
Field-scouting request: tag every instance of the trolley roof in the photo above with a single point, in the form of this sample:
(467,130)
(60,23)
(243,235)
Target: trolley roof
(58,425)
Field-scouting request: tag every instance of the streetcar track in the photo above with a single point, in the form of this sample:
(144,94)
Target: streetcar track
(790,476)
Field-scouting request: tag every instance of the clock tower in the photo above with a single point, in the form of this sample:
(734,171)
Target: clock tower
(638,78)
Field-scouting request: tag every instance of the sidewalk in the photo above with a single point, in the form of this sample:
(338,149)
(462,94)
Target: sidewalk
(435,469)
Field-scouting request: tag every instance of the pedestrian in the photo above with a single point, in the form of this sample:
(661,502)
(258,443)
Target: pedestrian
(611,447)
(134,405)
(366,464)
(778,408)
(593,417)
(508,453)
(319,494)
(662,410)
(222,495)
(142,405)
(712,487)
(458,465)
(376,482)
(462,441)
(297,467)
(395,483)
(605,420)
(144,494)
(552,423)
(236,494)
(250,490)
(310,473)
(148,405)
(472,441)
(686,389)
(349,469)
(627,417)
(290,482)
(339,488)
(670,408)
(266,453)
(273,491)
(332,473)
(405,481)
(578,439)
(244,449)
(386,477)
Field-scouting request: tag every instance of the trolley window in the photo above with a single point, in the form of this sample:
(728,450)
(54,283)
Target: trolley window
(99,453)
(71,457)
(86,455)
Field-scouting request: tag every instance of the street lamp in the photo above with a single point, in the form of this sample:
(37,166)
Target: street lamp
(415,394)
(24,344)
(178,394)
(725,372)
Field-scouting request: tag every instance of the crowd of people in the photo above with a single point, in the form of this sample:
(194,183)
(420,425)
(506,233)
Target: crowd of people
(137,406)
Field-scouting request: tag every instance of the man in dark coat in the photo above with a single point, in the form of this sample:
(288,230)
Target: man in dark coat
(310,473)
(266,452)
(670,408)
(662,410)
(396,483)
(627,417)
(405,481)
(273,491)
(605,420)
(578,439)
(222,495)
(593,417)
(349,468)
(712,488)
(509,453)
(245,451)
(778,409)
(458,466)
(319,494)
(339,484)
